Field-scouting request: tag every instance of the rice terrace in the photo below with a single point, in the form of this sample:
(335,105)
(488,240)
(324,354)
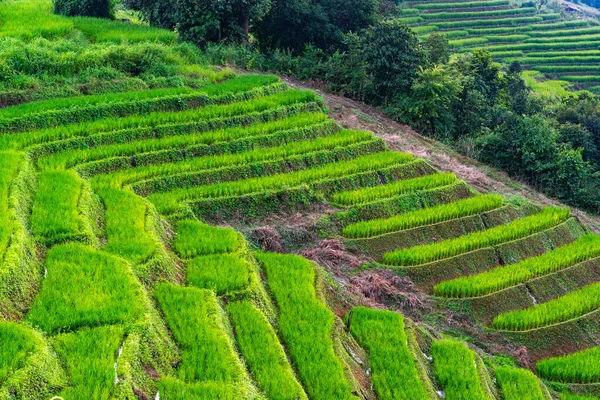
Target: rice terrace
(181,217)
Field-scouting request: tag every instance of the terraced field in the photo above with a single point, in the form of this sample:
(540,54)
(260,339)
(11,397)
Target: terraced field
(122,277)
(541,41)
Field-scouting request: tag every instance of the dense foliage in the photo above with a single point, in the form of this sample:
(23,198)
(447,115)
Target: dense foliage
(86,8)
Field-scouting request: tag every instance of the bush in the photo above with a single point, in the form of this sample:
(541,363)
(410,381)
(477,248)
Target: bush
(85,8)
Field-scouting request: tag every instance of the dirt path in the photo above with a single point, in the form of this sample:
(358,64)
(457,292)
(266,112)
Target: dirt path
(357,115)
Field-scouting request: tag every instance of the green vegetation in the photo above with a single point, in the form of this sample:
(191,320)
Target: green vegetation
(169,202)
(395,374)
(85,287)
(193,316)
(89,357)
(306,325)
(195,238)
(100,30)
(263,353)
(519,228)
(366,195)
(564,308)
(496,279)
(580,367)
(11,162)
(223,273)
(470,4)
(426,216)
(519,384)
(455,367)
(19,343)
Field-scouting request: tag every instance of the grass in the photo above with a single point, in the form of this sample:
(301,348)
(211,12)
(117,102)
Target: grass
(455,367)
(18,343)
(488,22)
(477,14)
(263,353)
(194,317)
(169,202)
(564,39)
(519,384)
(470,4)
(31,18)
(85,287)
(443,212)
(392,189)
(173,389)
(580,367)
(154,119)
(496,279)
(102,30)
(9,168)
(561,309)
(395,375)
(556,69)
(580,78)
(126,225)
(557,60)
(195,238)
(55,216)
(306,326)
(89,356)
(550,88)
(517,229)
(222,273)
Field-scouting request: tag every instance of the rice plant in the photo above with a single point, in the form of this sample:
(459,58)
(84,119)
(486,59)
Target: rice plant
(580,367)
(443,212)
(18,344)
(89,357)
(30,18)
(469,4)
(477,14)
(195,238)
(85,287)
(499,278)
(306,326)
(395,374)
(222,273)
(455,367)
(9,167)
(103,30)
(263,353)
(519,384)
(488,22)
(561,309)
(168,202)
(366,195)
(581,78)
(55,216)
(557,69)
(194,318)
(548,217)
(174,389)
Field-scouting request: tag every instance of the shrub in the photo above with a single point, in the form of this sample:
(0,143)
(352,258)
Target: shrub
(455,367)
(263,353)
(222,273)
(496,279)
(519,228)
(306,325)
(112,294)
(395,373)
(426,216)
(564,308)
(86,8)
(195,238)
(580,367)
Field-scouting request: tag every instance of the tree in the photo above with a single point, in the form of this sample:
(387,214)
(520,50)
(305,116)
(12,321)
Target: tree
(436,48)
(86,8)
(578,137)
(159,13)
(516,89)
(393,56)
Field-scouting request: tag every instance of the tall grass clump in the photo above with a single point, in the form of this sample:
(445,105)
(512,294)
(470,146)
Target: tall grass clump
(194,318)
(85,287)
(580,367)
(519,384)
(55,216)
(222,273)
(195,238)
(548,217)
(104,30)
(564,308)
(89,357)
(126,225)
(366,195)
(9,167)
(395,375)
(496,279)
(263,353)
(169,202)
(455,367)
(306,325)
(18,342)
(426,216)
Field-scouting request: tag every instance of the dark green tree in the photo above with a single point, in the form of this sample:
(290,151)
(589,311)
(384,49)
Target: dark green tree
(86,8)
(516,89)
(436,49)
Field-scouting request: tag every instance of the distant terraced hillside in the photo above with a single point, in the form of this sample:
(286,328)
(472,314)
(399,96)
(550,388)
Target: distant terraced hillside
(568,50)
